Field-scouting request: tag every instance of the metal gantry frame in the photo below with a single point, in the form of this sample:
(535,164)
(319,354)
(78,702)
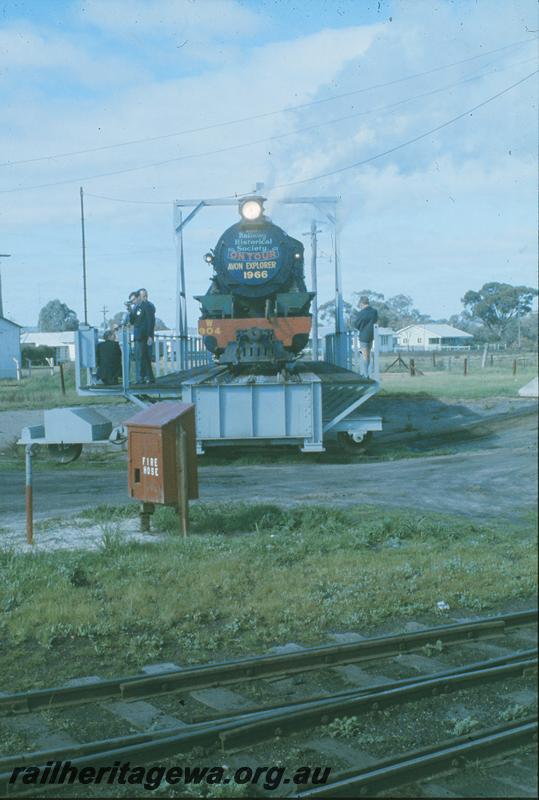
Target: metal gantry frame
(327,206)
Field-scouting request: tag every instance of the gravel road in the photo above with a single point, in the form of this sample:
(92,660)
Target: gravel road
(495,476)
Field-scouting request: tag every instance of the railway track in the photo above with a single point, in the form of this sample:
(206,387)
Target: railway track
(300,703)
(428,762)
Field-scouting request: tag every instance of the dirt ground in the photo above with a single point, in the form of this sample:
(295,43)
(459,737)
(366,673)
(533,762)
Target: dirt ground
(491,471)
(404,418)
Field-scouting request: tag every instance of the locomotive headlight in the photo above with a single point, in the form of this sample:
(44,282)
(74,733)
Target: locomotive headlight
(251,210)
(209,258)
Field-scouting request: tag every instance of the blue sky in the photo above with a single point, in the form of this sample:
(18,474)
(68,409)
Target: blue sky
(433,219)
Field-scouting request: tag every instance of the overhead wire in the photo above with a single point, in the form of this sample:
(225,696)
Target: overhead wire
(128,200)
(266,114)
(384,152)
(409,141)
(243,145)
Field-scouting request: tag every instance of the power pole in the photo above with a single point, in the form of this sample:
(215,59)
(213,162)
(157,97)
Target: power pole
(314,288)
(104,311)
(83,255)
(2,255)
(339,309)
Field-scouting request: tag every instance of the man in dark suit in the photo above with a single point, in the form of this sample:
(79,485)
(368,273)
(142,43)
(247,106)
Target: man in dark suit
(109,360)
(365,320)
(148,309)
(143,322)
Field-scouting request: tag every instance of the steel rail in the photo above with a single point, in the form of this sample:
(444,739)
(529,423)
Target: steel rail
(257,713)
(232,734)
(322,712)
(245,669)
(427,762)
(499,661)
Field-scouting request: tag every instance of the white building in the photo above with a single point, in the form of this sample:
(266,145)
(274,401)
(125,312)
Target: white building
(63,343)
(433,336)
(387,340)
(10,348)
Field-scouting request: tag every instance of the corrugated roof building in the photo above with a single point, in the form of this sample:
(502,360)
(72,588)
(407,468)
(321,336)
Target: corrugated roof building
(433,336)
(63,343)
(10,348)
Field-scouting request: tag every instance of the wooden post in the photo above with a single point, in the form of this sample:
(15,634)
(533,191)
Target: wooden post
(182,480)
(83,256)
(514,366)
(434,359)
(484,359)
(62,379)
(412,367)
(465,365)
(491,360)
(146,510)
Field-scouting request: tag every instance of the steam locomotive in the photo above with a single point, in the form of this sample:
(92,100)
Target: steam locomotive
(257,308)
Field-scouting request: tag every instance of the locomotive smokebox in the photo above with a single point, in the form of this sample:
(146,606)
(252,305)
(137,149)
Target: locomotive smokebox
(257,309)
(255,259)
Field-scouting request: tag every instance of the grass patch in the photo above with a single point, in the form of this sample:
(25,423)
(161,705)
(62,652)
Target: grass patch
(225,518)
(375,451)
(456,386)
(300,573)
(515,711)
(12,456)
(460,727)
(106,514)
(43,390)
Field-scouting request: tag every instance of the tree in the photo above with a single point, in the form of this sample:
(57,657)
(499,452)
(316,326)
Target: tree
(375,298)
(116,320)
(465,322)
(395,312)
(400,312)
(497,304)
(56,316)
(522,331)
(326,313)
(37,355)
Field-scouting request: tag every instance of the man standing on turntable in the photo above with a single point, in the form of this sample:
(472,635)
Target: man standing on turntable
(142,319)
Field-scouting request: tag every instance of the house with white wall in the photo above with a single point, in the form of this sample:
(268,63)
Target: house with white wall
(433,336)
(63,343)
(10,348)
(387,340)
